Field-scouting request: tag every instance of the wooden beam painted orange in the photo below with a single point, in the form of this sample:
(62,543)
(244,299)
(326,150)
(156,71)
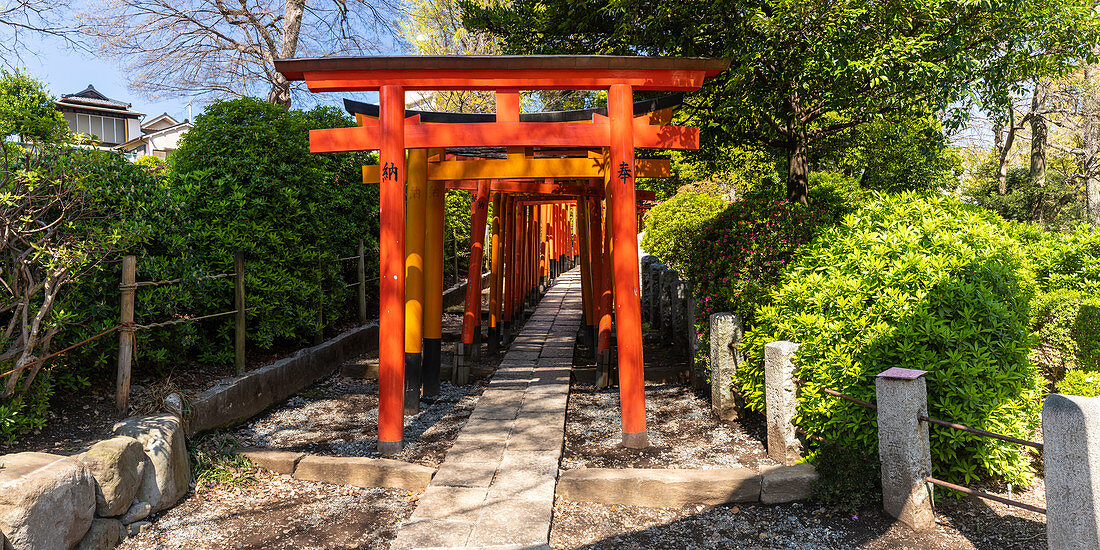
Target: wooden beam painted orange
(502,134)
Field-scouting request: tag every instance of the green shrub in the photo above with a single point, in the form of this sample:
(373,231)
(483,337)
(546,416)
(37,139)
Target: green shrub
(734,259)
(1057,205)
(670,226)
(915,281)
(1080,382)
(1067,326)
(1068,260)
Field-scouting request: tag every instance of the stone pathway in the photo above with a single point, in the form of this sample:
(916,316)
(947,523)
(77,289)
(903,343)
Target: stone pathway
(495,489)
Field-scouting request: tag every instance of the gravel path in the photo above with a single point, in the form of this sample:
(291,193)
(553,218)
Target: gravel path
(683,431)
(339,416)
(279,512)
(960,526)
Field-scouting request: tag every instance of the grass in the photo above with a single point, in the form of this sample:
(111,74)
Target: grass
(214,462)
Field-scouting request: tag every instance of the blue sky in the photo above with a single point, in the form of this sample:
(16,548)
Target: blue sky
(66,70)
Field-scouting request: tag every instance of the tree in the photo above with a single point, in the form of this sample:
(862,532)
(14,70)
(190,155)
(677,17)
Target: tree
(434,27)
(44,240)
(219,49)
(34,18)
(798,63)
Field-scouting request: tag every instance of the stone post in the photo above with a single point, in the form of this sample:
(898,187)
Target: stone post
(647,261)
(1071,460)
(781,402)
(667,313)
(903,448)
(726,331)
(679,310)
(655,272)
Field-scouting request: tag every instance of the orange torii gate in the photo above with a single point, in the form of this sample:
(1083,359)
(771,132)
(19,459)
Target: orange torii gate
(619,132)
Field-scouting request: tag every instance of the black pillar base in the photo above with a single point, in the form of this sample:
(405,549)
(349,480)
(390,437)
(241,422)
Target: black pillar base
(494,340)
(412,383)
(432,359)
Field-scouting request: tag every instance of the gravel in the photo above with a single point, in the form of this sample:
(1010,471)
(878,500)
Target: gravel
(683,431)
(338,416)
(278,511)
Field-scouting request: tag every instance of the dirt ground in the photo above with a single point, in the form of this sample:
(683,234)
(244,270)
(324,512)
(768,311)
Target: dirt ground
(683,433)
(279,512)
(338,416)
(686,434)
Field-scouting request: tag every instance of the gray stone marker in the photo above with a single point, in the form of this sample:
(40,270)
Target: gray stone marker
(726,332)
(669,278)
(655,295)
(1071,460)
(647,262)
(903,448)
(781,402)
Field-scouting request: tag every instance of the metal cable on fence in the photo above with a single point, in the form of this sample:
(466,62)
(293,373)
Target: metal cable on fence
(835,393)
(55,354)
(176,281)
(136,326)
(980,494)
(976,431)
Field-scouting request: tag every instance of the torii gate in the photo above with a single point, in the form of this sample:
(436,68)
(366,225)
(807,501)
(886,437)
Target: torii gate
(392,134)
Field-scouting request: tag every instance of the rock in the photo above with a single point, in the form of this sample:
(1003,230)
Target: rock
(787,483)
(364,472)
(104,534)
(4,544)
(280,462)
(139,527)
(167,471)
(174,404)
(139,510)
(659,488)
(117,465)
(46,501)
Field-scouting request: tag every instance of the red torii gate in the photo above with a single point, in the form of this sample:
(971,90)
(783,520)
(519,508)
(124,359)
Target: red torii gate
(392,134)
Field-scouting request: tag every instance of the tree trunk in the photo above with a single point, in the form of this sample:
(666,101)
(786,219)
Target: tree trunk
(798,173)
(1038,171)
(1006,150)
(1090,162)
(292,28)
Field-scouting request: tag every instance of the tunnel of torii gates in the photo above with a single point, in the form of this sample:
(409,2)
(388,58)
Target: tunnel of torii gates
(562,186)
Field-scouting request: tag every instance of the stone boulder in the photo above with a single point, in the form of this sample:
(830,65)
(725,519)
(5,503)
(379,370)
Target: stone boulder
(117,464)
(46,501)
(167,472)
(104,534)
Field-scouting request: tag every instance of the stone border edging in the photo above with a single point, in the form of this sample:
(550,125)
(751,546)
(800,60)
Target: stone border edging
(677,488)
(344,470)
(457,294)
(236,399)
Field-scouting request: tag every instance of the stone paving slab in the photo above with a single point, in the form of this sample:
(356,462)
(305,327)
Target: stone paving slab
(495,488)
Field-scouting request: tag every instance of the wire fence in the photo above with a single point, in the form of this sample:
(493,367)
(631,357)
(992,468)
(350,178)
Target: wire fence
(946,424)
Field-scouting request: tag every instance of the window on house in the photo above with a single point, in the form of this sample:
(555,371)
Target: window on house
(107,129)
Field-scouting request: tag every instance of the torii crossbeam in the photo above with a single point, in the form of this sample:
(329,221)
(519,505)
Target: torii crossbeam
(618,133)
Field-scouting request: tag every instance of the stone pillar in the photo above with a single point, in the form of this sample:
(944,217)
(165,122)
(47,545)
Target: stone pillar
(781,402)
(1071,460)
(903,448)
(726,331)
(698,366)
(647,263)
(667,309)
(655,272)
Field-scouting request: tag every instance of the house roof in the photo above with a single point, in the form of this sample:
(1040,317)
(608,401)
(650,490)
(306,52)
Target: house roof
(158,118)
(186,125)
(91,99)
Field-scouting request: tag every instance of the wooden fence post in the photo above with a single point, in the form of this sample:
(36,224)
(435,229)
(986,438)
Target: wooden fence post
(319,336)
(238,299)
(126,333)
(362,272)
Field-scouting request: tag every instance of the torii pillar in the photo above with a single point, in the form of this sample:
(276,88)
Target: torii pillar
(391,316)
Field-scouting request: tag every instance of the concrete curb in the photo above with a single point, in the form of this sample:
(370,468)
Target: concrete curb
(678,488)
(343,470)
(236,399)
